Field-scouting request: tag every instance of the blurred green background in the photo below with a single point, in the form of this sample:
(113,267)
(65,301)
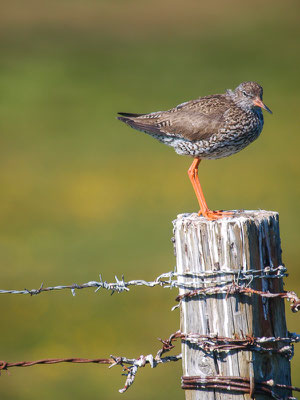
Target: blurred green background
(82,194)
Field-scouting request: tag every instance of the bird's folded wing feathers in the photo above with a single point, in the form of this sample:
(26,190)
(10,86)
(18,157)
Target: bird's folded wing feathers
(190,124)
(193,120)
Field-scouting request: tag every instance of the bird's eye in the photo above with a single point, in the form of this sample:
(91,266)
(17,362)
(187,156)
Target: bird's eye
(245,93)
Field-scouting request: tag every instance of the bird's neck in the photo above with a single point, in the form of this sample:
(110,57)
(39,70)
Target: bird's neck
(242,103)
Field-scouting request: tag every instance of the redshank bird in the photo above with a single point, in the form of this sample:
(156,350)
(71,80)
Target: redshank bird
(209,127)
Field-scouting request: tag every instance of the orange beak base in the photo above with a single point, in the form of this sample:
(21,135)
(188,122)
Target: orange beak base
(258,103)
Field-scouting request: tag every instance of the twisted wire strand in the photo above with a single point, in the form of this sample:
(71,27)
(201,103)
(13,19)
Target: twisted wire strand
(236,384)
(234,288)
(166,280)
(206,342)
(130,365)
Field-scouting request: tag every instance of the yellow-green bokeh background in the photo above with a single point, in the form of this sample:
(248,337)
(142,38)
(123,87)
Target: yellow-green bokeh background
(82,194)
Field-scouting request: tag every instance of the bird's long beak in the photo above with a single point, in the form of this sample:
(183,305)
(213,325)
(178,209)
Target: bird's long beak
(257,102)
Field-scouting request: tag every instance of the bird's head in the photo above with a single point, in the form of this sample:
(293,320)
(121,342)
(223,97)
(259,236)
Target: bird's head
(248,95)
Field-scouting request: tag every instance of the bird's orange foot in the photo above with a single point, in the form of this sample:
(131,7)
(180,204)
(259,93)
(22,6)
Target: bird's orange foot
(214,215)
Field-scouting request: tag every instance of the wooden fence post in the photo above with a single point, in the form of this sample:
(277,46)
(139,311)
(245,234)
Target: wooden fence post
(248,241)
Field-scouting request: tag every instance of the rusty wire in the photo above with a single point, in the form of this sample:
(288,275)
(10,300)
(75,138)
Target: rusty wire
(234,288)
(212,343)
(130,365)
(6,365)
(236,384)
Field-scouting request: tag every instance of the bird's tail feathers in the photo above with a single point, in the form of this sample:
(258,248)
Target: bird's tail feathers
(146,126)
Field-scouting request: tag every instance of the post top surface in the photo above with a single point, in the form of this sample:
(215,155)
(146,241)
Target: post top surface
(238,216)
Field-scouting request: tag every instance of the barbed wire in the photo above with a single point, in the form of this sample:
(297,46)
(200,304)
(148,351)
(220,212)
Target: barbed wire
(130,365)
(238,282)
(166,280)
(213,343)
(236,384)
(266,272)
(120,285)
(234,288)
(208,343)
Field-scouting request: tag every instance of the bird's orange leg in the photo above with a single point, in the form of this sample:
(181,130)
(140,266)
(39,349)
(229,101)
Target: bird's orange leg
(204,210)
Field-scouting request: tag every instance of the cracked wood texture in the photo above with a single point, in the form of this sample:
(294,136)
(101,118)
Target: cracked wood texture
(248,240)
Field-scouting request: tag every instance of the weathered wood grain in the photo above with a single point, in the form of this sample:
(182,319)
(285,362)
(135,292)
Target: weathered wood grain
(249,240)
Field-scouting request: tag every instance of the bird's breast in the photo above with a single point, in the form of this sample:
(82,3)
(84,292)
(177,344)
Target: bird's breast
(234,136)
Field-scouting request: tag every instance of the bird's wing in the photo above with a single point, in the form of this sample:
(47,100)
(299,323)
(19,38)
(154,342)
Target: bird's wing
(191,125)
(194,120)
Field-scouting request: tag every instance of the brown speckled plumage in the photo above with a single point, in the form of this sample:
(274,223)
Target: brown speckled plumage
(209,127)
